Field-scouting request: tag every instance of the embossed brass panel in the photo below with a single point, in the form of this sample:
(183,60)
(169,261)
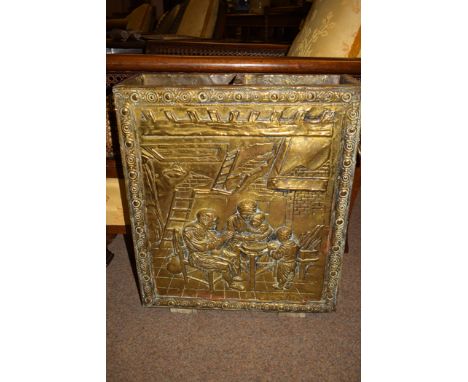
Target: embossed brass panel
(238,187)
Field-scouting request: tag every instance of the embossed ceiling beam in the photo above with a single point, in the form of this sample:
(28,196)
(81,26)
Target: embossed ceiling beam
(296,65)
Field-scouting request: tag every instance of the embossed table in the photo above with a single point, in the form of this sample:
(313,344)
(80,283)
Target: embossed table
(253,254)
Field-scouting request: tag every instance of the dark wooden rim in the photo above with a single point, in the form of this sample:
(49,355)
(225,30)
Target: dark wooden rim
(224,64)
(114,168)
(116,229)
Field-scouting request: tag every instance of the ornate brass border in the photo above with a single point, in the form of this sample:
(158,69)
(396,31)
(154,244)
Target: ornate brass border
(125,102)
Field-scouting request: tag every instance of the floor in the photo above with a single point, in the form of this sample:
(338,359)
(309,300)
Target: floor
(157,345)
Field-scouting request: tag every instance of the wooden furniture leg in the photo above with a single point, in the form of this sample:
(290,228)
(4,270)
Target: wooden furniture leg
(109,254)
(354,192)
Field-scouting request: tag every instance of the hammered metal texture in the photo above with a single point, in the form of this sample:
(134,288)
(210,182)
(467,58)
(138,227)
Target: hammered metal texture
(111,129)
(238,193)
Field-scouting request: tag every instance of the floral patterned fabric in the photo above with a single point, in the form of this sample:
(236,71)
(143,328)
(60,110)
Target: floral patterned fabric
(332,29)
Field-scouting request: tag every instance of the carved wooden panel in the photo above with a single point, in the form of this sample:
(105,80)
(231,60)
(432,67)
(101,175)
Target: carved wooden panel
(238,193)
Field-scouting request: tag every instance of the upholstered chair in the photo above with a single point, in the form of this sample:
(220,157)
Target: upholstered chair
(140,20)
(199,19)
(192,18)
(332,29)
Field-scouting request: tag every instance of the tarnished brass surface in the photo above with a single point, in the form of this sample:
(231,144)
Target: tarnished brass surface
(238,189)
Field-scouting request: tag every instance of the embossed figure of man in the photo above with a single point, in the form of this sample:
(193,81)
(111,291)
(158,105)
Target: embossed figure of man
(238,223)
(285,251)
(205,247)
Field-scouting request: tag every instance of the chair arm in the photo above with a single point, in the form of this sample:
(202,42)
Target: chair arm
(223,64)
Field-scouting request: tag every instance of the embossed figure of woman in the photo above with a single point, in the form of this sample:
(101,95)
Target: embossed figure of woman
(286,253)
(259,230)
(257,236)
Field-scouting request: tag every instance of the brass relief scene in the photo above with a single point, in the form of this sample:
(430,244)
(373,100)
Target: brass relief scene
(239,217)
(238,187)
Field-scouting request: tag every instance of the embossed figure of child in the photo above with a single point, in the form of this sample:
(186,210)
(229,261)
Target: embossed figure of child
(286,253)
